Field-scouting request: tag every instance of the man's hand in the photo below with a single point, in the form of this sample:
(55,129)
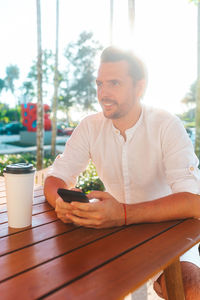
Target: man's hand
(51,185)
(107,212)
(61,209)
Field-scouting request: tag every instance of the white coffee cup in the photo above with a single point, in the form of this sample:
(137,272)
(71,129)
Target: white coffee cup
(19,179)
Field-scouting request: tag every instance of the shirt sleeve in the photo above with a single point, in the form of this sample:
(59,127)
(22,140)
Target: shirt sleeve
(180,161)
(68,165)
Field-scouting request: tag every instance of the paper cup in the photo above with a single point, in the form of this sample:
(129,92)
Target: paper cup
(19,180)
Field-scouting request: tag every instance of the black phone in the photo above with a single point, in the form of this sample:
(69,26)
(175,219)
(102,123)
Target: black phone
(70,196)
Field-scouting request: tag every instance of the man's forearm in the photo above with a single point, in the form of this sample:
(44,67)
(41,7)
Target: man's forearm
(172,207)
(50,188)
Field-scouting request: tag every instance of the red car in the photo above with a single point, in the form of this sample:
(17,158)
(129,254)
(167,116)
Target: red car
(62,129)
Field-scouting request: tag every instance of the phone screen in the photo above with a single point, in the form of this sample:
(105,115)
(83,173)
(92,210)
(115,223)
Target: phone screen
(70,196)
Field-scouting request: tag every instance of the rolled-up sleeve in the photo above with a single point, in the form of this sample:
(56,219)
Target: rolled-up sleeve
(68,165)
(180,161)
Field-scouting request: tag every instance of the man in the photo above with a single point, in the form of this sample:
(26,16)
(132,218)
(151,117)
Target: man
(143,156)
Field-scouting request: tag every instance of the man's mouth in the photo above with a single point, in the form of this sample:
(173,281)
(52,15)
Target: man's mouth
(107,103)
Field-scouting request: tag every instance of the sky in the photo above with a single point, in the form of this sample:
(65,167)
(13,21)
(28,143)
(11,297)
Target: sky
(164,37)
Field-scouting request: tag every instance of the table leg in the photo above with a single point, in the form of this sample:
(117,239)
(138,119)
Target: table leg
(174,282)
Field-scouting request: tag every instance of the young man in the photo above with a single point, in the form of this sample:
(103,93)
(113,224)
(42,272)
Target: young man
(143,156)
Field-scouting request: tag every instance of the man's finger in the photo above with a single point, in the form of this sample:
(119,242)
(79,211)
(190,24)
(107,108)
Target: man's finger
(90,207)
(98,195)
(83,221)
(92,215)
(65,220)
(62,204)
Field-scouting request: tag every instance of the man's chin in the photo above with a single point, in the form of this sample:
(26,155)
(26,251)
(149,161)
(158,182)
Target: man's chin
(111,115)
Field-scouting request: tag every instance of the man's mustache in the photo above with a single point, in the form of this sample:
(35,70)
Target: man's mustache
(108,101)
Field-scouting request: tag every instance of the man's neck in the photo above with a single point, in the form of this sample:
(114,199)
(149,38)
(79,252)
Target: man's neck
(128,121)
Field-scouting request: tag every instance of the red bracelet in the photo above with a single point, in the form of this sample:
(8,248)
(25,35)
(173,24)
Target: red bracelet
(124,205)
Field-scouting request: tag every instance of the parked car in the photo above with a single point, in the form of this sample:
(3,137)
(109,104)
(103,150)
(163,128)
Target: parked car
(2,128)
(14,128)
(63,129)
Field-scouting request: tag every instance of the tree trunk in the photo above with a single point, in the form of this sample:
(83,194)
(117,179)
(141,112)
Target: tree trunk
(197,112)
(56,83)
(131,13)
(197,120)
(40,125)
(111,22)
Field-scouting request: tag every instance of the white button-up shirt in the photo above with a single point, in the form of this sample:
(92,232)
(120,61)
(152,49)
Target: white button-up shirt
(156,159)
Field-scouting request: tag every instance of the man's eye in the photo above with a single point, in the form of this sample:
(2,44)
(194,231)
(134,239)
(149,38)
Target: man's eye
(115,82)
(98,83)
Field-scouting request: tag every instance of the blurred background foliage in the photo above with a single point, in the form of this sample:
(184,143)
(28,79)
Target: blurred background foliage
(87,181)
(8,159)
(9,114)
(76,80)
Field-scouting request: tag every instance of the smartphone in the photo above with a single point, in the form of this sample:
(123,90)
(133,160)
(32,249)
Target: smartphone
(70,196)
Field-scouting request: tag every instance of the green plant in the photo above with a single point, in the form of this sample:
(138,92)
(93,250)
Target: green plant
(89,180)
(8,159)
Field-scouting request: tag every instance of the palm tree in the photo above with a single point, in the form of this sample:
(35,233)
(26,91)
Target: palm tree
(111,22)
(40,125)
(131,12)
(197,112)
(56,83)
(12,73)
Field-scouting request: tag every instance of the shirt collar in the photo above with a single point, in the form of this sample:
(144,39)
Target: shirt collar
(130,131)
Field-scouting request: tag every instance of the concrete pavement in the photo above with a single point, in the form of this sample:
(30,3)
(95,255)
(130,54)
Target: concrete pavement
(11,149)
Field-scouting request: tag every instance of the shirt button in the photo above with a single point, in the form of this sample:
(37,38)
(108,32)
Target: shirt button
(191,168)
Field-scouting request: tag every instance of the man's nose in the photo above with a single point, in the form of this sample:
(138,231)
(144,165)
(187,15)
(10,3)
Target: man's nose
(104,91)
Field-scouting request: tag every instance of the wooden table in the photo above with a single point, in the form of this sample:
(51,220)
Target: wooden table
(58,261)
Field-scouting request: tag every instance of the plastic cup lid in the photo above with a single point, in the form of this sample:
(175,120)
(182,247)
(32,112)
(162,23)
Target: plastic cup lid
(19,168)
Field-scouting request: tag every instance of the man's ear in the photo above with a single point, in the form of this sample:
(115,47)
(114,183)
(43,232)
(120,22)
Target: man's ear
(140,88)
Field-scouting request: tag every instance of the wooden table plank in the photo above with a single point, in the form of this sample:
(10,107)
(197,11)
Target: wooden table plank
(3,208)
(135,267)
(64,269)
(34,255)
(1,179)
(38,192)
(41,208)
(37,209)
(2,186)
(36,201)
(37,220)
(2,193)
(33,235)
(39,200)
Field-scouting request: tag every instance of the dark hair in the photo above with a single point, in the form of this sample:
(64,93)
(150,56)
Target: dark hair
(136,67)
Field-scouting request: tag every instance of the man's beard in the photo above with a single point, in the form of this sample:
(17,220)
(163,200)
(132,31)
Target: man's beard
(113,115)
